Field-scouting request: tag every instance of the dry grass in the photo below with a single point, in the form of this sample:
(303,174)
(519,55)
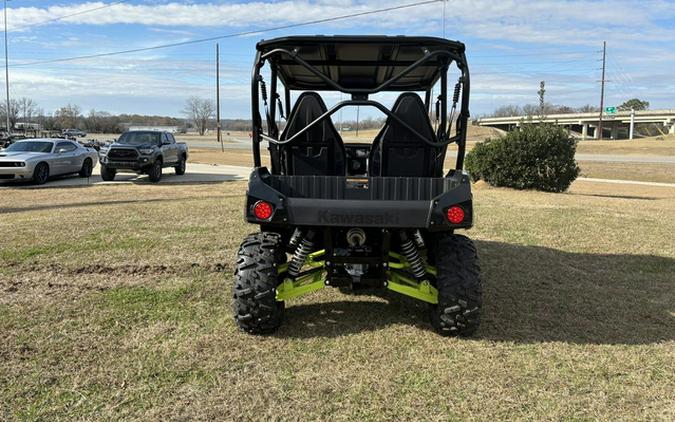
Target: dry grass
(663,173)
(474,134)
(234,157)
(646,172)
(107,314)
(658,146)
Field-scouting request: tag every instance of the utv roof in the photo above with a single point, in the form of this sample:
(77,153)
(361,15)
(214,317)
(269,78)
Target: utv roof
(360,62)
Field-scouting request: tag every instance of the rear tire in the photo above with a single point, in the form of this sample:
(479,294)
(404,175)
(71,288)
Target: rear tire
(155,172)
(180,167)
(87,168)
(255,307)
(41,174)
(459,287)
(108,174)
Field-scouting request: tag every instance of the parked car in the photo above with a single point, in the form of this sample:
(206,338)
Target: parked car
(39,159)
(93,143)
(73,133)
(8,139)
(143,151)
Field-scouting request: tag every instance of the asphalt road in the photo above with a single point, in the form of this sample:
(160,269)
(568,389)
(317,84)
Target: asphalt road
(194,174)
(205,173)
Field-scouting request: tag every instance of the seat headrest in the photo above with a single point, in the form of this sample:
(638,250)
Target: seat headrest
(409,107)
(308,107)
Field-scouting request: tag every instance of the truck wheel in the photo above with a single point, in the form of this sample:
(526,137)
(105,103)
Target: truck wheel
(180,167)
(155,172)
(87,168)
(255,307)
(108,174)
(41,174)
(459,286)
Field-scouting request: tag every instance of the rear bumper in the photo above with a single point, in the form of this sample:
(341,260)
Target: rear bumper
(368,202)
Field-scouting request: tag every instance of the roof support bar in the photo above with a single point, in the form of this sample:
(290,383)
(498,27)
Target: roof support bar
(427,56)
(345,103)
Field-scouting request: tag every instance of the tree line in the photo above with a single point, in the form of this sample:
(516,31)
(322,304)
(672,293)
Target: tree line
(24,111)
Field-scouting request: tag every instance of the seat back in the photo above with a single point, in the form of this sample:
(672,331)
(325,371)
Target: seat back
(397,152)
(320,150)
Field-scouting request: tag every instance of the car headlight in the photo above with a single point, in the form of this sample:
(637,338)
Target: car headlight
(146,151)
(20,164)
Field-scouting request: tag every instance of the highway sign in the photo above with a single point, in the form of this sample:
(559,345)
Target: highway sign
(610,110)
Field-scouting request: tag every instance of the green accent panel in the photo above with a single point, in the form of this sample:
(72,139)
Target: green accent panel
(311,261)
(407,286)
(309,283)
(302,285)
(402,264)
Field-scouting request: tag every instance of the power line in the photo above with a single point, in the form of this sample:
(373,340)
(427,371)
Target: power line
(232,35)
(58,18)
(538,53)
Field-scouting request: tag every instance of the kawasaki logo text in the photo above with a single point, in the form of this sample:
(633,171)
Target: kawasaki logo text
(325,217)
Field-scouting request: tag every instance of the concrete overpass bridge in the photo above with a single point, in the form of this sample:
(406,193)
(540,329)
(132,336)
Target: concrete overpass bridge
(585,125)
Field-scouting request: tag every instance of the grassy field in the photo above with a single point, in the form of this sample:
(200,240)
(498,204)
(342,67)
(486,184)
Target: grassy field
(108,313)
(644,172)
(658,146)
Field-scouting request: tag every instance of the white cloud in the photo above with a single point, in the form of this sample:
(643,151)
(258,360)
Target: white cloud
(552,21)
(638,40)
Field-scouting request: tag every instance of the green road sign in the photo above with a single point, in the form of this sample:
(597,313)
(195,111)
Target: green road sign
(610,110)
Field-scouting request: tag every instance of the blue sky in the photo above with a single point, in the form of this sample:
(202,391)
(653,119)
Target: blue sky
(511,45)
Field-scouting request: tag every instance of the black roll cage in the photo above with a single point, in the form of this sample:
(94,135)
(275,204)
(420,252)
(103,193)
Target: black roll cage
(360,97)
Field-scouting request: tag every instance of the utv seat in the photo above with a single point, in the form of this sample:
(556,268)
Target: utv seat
(397,152)
(320,150)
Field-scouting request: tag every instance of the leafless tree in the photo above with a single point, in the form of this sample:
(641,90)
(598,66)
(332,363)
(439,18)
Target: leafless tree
(508,110)
(13,113)
(68,117)
(27,109)
(200,111)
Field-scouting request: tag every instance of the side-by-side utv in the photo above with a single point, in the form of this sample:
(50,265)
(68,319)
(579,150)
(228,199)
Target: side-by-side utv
(359,215)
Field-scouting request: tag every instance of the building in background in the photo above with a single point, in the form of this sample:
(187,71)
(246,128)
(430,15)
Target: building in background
(170,129)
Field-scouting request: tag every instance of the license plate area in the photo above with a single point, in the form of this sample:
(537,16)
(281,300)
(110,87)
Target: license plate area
(357,183)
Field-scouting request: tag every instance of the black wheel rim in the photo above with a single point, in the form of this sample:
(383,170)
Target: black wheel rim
(42,174)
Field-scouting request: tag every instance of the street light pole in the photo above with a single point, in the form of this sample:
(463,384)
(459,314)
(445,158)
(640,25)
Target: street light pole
(9,131)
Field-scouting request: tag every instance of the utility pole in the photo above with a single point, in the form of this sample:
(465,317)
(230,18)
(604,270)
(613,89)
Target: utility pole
(357,121)
(444,2)
(9,130)
(341,115)
(602,89)
(218,129)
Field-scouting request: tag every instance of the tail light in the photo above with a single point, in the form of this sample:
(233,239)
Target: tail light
(263,210)
(455,214)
